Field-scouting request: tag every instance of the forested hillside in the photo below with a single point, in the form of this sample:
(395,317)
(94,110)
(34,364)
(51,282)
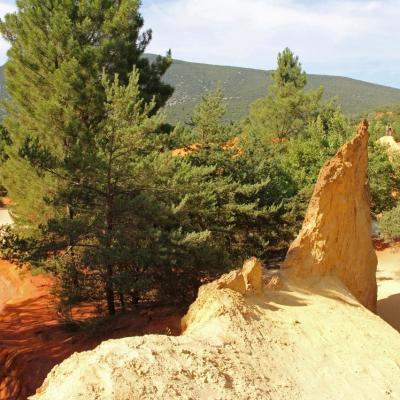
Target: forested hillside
(243,85)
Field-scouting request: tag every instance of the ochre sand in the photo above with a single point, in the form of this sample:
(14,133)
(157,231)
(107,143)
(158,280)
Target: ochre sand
(388,278)
(33,339)
(305,340)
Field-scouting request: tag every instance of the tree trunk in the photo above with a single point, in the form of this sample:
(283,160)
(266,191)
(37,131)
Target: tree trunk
(74,271)
(134,298)
(122,301)
(110,291)
(108,233)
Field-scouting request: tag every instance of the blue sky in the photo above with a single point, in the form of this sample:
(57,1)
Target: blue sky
(354,38)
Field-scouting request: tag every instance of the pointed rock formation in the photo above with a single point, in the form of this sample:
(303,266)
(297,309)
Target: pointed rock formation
(335,239)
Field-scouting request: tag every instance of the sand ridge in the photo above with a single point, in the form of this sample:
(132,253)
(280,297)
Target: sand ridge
(313,341)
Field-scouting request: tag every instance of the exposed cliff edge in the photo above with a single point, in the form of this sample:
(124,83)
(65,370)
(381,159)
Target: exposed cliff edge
(302,336)
(335,239)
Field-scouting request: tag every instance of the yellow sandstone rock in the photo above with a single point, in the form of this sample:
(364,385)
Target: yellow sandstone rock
(245,281)
(335,239)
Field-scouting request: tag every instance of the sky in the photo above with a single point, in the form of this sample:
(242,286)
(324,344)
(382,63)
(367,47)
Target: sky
(354,38)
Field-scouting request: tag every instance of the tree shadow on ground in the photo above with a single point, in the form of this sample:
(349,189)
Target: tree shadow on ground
(389,310)
(273,299)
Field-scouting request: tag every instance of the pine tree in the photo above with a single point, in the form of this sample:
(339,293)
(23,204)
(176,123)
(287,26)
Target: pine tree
(289,76)
(5,141)
(58,52)
(247,186)
(305,154)
(135,212)
(137,219)
(95,235)
(207,117)
(288,108)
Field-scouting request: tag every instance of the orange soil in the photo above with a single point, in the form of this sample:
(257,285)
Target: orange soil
(6,201)
(33,340)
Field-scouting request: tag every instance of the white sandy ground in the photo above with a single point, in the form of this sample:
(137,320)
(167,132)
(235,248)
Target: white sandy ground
(389,142)
(5,218)
(301,342)
(388,278)
(8,289)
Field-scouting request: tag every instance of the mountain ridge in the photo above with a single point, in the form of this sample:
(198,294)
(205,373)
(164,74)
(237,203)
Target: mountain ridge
(242,86)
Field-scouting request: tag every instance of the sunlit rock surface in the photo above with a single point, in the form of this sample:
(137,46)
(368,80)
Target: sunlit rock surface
(335,239)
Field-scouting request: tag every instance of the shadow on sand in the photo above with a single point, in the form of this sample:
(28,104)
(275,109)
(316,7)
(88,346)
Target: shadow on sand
(389,310)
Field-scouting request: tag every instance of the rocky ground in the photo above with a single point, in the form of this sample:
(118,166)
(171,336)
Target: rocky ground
(29,305)
(309,341)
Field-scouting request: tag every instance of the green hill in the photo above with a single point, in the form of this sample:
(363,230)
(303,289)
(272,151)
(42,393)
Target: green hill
(244,85)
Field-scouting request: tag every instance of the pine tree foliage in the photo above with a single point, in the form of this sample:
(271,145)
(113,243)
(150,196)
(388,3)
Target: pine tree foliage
(247,184)
(384,178)
(288,76)
(134,220)
(304,156)
(58,52)
(207,117)
(389,224)
(288,108)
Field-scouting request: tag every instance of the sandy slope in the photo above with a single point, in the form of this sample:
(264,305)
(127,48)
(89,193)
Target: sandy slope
(15,284)
(33,340)
(298,342)
(388,277)
(5,218)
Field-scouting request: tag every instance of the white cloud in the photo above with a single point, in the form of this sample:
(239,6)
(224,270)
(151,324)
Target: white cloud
(332,36)
(5,8)
(357,38)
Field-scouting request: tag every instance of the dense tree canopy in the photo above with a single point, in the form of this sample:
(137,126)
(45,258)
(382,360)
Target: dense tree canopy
(59,50)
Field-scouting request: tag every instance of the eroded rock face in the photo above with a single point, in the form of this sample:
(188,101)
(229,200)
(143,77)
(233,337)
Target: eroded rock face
(335,238)
(245,281)
(389,142)
(392,146)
